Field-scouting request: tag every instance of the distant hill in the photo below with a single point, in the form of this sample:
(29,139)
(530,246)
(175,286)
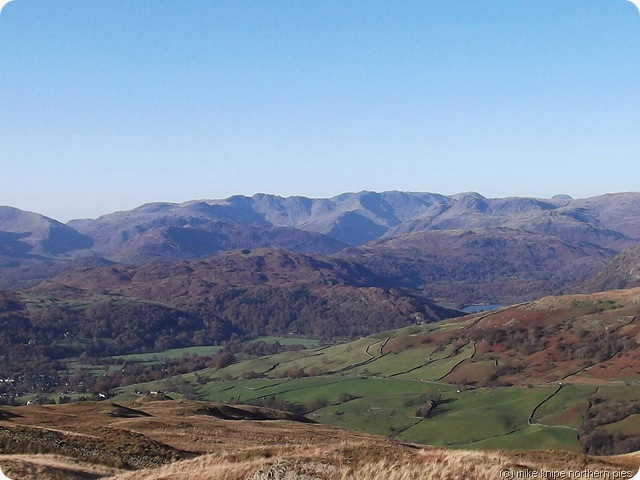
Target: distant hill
(30,270)
(261,292)
(595,220)
(495,264)
(26,233)
(192,231)
(34,247)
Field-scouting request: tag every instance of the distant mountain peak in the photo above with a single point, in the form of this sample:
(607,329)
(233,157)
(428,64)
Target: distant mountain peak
(562,196)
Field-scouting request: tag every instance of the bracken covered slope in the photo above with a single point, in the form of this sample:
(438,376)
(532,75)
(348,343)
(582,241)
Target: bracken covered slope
(190,440)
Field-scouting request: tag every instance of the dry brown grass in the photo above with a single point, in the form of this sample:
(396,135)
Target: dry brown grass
(397,463)
(52,467)
(178,440)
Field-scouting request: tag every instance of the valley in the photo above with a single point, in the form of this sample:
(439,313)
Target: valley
(518,377)
(237,336)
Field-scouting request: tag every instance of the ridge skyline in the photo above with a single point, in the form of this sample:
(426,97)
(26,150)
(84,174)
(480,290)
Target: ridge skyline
(66,218)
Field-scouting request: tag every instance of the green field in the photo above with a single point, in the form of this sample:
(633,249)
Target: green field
(476,415)
(147,358)
(478,418)
(170,354)
(307,342)
(482,418)
(378,385)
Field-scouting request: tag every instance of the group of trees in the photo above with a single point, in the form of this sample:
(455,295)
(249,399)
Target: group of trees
(345,314)
(42,339)
(38,346)
(596,440)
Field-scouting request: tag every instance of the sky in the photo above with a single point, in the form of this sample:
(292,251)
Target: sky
(106,105)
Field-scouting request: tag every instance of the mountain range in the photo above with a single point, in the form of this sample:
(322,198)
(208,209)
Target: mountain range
(487,250)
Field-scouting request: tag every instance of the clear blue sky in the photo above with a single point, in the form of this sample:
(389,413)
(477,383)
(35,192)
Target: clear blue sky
(105,105)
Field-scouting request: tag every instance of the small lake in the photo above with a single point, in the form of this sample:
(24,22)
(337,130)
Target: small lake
(480,308)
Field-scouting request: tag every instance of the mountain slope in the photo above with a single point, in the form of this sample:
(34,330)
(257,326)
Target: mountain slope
(262,292)
(492,265)
(558,373)
(34,247)
(192,230)
(622,272)
(24,232)
(573,221)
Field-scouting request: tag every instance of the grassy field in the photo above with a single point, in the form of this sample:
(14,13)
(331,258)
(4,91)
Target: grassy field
(146,358)
(536,436)
(170,354)
(357,388)
(307,342)
(476,415)
(484,395)
(482,418)
(568,408)
(477,418)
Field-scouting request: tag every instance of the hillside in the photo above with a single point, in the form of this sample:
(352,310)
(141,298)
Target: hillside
(557,374)
(24,233)
(150,440)
(120,310)
(490,265)
(561,373)
(158,232)
(622,272)
(34,248)
(262,292)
